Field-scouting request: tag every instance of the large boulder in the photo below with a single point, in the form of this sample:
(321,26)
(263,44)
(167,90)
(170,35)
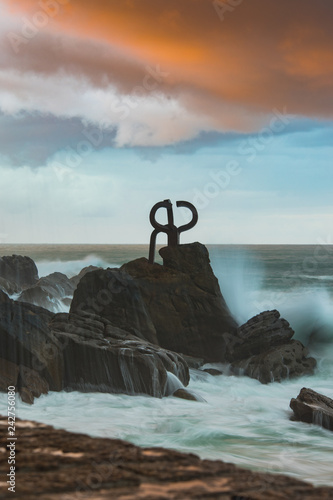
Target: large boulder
(19,270)
(313,408)
(49,292)
(278,363)
(75,279)
(261,333)
(8,287)
(114,295)
(263,349)
(26,340)
(100,357)
(53,292)
(178,306)
(42,351)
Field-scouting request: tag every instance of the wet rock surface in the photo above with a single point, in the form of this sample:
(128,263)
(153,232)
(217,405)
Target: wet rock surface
(184,394)
(129,327)
(260,333)
(96,356)
(282,362)
(44,351)
(53,464)
(53,292)
(313,408)
(49,291)
(20,271)
(178,306)
(264,349)
(114,295)
(26,339)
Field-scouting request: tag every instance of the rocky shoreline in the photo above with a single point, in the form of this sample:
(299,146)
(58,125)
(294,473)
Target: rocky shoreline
(55,464)
(136,330)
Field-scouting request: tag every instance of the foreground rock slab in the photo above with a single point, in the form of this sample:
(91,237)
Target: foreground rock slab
(313,408)
(41,351)
(59,465)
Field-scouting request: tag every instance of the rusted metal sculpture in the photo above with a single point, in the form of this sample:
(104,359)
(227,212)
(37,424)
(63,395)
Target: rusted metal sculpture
(170,229)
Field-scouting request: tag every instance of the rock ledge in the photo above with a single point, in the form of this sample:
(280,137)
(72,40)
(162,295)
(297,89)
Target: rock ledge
(59,465)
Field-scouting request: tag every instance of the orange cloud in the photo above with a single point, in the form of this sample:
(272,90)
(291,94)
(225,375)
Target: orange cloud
(264,54)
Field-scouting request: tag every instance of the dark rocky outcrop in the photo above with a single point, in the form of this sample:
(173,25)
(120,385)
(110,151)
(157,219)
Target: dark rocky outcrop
(30,384)
(126,325)
(282,362)
(75,279)
(53,292)
(8,287)
(178,306)
(114,295)
(261,333)
(83,352)
(18,270)
(49,291)
(26,340)
(263,349)
(97,356)
(313,408)
(53,464)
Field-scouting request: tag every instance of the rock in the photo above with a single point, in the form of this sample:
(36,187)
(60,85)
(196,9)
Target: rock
(75,279)
(192,362)
(213,371)
(21,271)
(56,464)
(8,374)
(49,291)
(31,380)
(26,340)
(55,291)
(26,381)
(284,361)
(45,351)
(178,306)
(8,287)
(27,396)
(313,408)
(100,357)
(262,349)
(113,294)
(184,394)
(259,334)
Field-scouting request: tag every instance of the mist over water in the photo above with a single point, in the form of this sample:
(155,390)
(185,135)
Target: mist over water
(258,278)
(71,267)
(239,420)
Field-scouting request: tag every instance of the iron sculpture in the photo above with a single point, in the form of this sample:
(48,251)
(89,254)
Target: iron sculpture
(170,229)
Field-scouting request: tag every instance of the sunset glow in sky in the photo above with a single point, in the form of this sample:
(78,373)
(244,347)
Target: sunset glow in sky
(108,106)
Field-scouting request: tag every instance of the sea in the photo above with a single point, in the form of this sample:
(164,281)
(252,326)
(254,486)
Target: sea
(238,419)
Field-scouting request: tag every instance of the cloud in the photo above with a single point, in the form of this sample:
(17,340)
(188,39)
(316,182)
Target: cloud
(32,139)
(90,60)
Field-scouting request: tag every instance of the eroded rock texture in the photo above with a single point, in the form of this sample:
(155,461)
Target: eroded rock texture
(42,351)
(58,465)
(313,408)
(178,306)
(263,349)
(17,272)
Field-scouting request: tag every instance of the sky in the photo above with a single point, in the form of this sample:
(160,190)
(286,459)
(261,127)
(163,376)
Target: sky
(108,107)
